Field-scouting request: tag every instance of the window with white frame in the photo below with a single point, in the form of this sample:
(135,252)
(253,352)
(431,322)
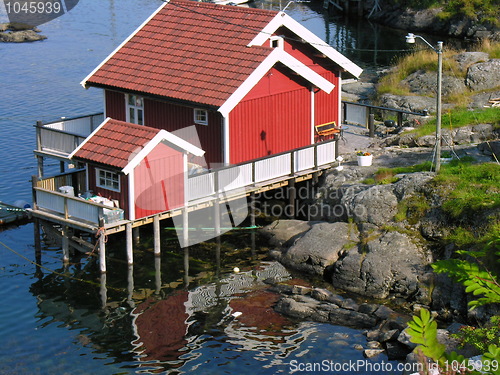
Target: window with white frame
(108,180)
(200,116)
(135,109)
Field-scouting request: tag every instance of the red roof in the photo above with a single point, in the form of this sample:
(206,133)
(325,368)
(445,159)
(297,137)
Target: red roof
(115,143)
(192,51)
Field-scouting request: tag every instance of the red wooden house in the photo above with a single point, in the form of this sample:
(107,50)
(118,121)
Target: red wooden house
(253,82)
(142,169)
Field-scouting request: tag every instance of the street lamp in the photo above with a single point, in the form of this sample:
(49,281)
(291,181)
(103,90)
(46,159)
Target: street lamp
(410,38)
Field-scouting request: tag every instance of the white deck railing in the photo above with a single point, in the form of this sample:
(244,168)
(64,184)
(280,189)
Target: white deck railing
(61,138)
(69,207)
(227,180)
(260,170)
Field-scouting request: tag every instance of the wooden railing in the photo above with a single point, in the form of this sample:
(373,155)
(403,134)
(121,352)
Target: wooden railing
(260,170)
(70,207)
(76,179)
(63,137)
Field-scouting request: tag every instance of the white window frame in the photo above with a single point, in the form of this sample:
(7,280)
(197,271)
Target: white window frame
(134,107)
(199,119)
(108,178)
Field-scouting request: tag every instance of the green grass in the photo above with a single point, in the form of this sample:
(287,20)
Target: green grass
(461,117)
(475,188)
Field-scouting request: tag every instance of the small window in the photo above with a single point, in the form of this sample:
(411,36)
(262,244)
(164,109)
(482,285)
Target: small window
(200,117)
(135,107)
(276,42)
(108,180)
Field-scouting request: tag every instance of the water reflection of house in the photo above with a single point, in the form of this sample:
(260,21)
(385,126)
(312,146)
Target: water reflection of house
(171,328)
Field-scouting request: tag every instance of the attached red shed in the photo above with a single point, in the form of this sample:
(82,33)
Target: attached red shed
(254,82)
(144,169)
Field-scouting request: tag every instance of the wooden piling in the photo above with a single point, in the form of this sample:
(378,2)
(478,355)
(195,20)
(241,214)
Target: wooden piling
(129,243)
(156,232)
(102,247)
(65,244)
(185,228)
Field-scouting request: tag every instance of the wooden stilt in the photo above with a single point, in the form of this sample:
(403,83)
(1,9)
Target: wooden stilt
(252,209)
(158,275)
(103,291)
(130,285)
(185,228)
(156,230)
(102,247)
(186,266)
(38,248)
(129,243)
(65,244)
(217,217)
(137,235)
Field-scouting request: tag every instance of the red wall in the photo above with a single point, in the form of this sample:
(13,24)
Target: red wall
(173,117)
(121,197)
(326,106)
(270,124)
(159,182)
(115,105)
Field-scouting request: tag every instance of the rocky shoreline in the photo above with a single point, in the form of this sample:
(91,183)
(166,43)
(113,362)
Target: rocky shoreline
(13,32)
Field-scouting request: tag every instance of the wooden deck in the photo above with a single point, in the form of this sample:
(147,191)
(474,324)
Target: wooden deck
(222,185)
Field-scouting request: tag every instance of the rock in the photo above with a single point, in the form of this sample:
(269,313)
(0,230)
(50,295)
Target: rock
(404,338)
(411,183)
(350,304)
(375,204)
(320,247)
(370,353)
(490,148)
(368,308)
(467,59)
(390,335)
(358,347)
(360,90)
(484,76)
(289,306)
(374,345)
(21,36)
(424,83)
(282,231)
(384,312)
(373,335)
(396,351)
(389,264)
(351,318)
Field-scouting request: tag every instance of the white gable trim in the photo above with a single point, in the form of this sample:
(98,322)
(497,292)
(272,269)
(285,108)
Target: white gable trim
(282,19)
(162,135)
(84,82)
(70,156)
(274,57)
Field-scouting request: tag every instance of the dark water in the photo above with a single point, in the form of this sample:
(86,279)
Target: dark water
(167,317)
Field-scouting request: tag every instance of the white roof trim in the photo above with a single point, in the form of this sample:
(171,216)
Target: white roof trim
(84,82)
(277,55)
(70,156)
(162,135)
(282,19)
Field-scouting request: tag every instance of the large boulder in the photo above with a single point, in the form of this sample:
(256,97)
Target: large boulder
(484,76)
(374,204)
(320,247)
(467,59)
(425,83)
(282,232)
(389,264)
